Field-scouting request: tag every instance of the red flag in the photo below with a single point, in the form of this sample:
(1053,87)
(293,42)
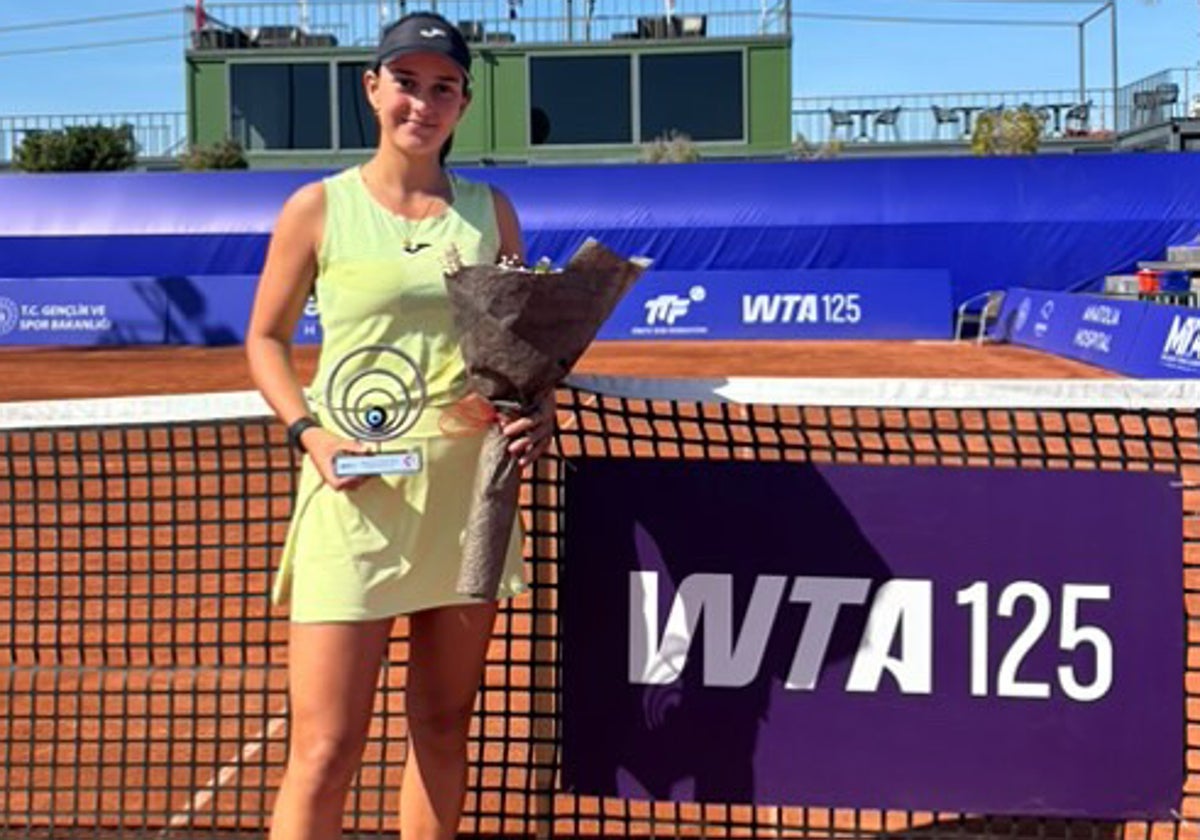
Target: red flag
(201,17)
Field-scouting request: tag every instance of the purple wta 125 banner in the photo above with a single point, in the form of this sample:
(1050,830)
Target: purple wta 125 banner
(981,640)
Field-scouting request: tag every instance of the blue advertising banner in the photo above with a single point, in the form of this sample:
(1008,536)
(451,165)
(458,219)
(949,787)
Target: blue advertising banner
(975,640)
(210,310)
(785,304)
(204,310)
(1133,337)
(1168,344)
(82,311)
(1089,328)
(215,309)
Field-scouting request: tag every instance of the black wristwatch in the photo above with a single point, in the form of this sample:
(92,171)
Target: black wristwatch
(298,428)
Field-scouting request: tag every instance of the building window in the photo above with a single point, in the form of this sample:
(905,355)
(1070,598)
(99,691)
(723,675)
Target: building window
(357,127)
(280,106)
(698,94)
(580,100)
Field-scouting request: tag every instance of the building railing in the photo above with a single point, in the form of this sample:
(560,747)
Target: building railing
(355,23)
(158,134)
(946,117)
(1159,98)
(817,119)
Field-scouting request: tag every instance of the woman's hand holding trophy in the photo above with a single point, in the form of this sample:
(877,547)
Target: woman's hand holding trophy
(373,395)
(323,447)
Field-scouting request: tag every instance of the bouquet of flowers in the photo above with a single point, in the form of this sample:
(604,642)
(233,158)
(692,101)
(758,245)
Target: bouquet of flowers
(522,330)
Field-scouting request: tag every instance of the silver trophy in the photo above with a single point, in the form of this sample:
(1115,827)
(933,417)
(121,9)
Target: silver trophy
(375,403)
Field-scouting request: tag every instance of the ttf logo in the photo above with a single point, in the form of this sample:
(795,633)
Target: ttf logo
(667,308)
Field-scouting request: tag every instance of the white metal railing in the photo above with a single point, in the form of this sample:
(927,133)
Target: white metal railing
(164,133)
(1159,98)
(356,23)
(929,117)
(157,133)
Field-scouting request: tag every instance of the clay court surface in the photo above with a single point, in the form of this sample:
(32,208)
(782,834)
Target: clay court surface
(34,374)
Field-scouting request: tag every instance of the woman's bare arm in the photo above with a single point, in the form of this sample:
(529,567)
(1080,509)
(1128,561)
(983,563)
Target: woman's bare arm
(286,282)
(284,286)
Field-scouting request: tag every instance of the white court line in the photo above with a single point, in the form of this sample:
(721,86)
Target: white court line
(226,774)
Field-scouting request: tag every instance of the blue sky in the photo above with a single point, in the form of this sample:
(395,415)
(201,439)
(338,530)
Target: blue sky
(831,56)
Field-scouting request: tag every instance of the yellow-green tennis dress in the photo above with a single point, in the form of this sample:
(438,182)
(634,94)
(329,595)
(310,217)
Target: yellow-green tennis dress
(393,545)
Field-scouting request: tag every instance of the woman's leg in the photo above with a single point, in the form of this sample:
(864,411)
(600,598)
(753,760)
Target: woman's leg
(332,672)
(448,649)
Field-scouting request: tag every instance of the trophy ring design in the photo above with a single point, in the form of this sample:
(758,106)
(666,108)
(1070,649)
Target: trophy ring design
(373,404)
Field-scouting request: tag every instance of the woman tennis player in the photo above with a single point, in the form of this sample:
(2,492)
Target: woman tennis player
(361,551)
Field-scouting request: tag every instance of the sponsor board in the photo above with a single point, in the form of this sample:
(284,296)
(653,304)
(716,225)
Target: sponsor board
(1168,343)
(1088,328)
(215,309)
(204,310)
(784,304)
(849,637)
(81,311)
(1132,337)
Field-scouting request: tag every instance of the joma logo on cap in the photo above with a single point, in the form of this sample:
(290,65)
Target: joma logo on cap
(433,33)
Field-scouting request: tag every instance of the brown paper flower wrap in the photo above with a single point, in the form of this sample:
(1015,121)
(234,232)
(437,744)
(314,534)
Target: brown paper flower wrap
(521,331)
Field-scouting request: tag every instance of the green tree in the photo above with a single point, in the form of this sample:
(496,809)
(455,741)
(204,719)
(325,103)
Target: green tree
(78,148)
(1011,131)
(672,147)
(227,154)
(804,150)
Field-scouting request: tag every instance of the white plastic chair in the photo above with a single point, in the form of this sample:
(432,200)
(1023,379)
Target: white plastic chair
(982,309)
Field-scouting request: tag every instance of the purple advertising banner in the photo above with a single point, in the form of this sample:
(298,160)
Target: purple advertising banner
(994,641)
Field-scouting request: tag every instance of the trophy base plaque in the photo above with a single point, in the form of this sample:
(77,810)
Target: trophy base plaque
(380,463)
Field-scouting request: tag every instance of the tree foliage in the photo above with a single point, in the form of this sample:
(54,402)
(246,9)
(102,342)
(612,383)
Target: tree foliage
(1011,131)
(802,149)
(227,154)
(78,148)
(672,147)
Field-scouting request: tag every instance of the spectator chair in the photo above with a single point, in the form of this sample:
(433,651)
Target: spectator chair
(888,117)
(1079,118)
(1144,102)
(840,119)
(982,310)
(1165,97)
(943,116)
(1045,115)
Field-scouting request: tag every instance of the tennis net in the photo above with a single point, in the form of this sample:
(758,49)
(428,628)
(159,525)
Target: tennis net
(142,670)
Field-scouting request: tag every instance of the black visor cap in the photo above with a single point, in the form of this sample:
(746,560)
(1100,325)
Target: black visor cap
(424,32)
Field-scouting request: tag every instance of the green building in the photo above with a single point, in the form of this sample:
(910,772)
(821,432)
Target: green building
(545,88)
